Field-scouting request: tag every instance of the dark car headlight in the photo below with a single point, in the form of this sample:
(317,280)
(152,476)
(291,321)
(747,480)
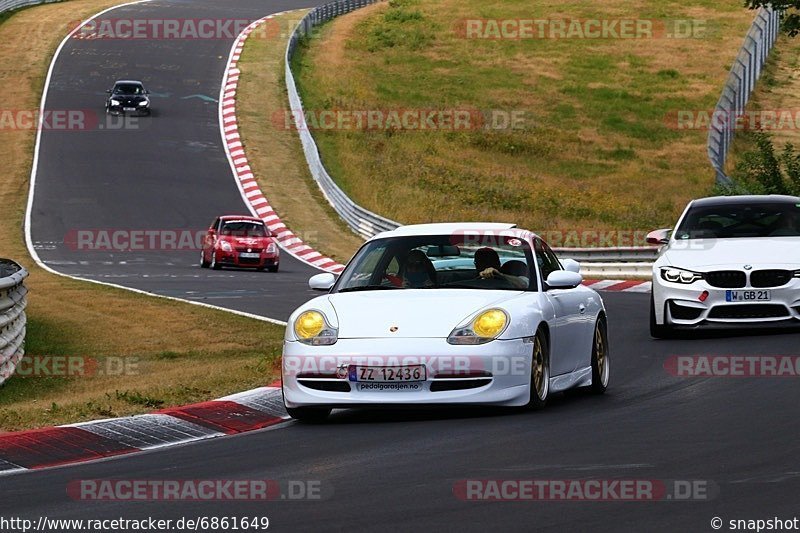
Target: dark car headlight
(679,275)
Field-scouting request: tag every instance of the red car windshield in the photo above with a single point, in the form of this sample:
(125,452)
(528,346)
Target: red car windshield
(244,229)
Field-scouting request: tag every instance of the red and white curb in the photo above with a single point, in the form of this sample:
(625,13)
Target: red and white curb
(89,441)
(619,285)
(251,192)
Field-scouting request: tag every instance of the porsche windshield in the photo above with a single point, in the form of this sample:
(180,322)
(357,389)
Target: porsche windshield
(440,262)
(741,220)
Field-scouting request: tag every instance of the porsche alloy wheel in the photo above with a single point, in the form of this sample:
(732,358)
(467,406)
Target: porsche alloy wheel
(540,372)
(600,357)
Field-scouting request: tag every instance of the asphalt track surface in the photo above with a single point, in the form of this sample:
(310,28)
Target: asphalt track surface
(380,470)
(167,172)
(395,470)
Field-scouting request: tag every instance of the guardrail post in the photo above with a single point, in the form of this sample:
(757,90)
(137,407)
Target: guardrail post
(744,73)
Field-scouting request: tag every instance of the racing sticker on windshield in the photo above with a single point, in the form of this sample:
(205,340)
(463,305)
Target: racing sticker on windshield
(514,242)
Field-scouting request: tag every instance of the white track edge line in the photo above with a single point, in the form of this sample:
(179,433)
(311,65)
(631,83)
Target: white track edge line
(32,187)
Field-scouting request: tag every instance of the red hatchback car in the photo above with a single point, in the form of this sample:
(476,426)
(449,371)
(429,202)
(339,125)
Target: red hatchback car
(240,241)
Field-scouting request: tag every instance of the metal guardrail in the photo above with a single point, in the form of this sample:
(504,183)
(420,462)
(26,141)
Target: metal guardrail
(746,70)
(361,220)
(13,300)
(10,5)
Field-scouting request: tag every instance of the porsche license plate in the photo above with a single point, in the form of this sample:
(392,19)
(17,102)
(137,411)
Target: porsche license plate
(249,255)
(387,374)
(748,296)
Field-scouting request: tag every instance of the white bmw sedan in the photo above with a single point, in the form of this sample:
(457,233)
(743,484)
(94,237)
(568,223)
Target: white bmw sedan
(732,261)
(441,314)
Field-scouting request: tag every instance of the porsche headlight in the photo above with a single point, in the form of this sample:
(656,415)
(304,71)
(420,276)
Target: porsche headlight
(225,246)
(679,275)
(312,328)
(797,273)
(143,102)
(485,327)
(115,102)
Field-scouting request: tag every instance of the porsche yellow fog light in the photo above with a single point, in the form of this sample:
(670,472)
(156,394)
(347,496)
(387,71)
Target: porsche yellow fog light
(490,324)
(309,324)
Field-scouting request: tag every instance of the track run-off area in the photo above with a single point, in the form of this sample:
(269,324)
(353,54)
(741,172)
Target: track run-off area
(378,470)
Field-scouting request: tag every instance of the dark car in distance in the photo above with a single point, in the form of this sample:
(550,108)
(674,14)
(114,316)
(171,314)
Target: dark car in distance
(128,97)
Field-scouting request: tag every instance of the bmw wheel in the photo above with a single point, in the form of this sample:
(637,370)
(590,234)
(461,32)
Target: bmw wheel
(658,331)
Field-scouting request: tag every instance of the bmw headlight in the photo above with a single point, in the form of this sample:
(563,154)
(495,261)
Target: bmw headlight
(311,327)
(679,275)
(797,273)
(225,246)
(485,327)
(143,102)
(115,102)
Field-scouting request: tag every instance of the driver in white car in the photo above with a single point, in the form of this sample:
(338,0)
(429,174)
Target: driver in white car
(487,263)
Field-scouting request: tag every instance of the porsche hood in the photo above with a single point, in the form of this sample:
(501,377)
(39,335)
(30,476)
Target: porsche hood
(420,313)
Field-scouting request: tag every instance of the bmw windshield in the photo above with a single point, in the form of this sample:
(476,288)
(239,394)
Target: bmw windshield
(741,220)
(440,262)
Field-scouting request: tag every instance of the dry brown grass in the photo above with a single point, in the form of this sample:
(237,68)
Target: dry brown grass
(184,353)
(780,89)
(275,153)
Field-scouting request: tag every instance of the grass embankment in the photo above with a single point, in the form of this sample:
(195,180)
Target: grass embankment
(274,150)
(599,148)
(776,101)
(175,353)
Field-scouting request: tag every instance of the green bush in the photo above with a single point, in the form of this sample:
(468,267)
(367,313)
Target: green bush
(765,171)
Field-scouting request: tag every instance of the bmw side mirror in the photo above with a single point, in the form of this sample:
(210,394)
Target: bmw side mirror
(563,279)
(322,282)
(659,236)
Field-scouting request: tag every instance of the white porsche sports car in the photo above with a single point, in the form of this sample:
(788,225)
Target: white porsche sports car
(732,261)
(438,314)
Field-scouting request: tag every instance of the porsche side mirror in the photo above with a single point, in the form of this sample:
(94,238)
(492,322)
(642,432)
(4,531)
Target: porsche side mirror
(659,236)
(564,279)
(570,265)
(322,282)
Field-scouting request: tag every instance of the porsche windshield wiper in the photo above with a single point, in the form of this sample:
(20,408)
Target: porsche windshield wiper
(369,288)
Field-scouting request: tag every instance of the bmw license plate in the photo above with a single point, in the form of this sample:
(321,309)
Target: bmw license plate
(387,374)
(129,109)
(248,255)
(748,296)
